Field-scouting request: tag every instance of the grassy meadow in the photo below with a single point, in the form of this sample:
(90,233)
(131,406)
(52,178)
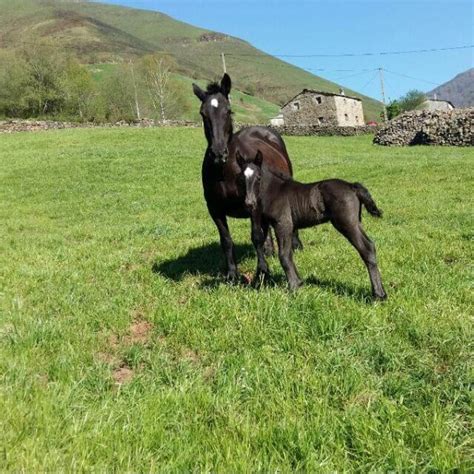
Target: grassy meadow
(122,349)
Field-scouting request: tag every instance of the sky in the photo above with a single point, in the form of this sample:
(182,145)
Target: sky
(315,27)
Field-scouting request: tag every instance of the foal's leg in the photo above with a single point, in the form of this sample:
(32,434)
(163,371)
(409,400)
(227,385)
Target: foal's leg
(284,234)
(354,232)
(259,234)
(227,246)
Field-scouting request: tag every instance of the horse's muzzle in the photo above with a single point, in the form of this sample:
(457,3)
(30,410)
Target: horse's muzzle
(251,204)
(220,157)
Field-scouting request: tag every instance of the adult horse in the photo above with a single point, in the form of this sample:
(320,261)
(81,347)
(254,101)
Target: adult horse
(220,170)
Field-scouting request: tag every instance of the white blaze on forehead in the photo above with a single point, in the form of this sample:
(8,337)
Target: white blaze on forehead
(215,103)
(248,173)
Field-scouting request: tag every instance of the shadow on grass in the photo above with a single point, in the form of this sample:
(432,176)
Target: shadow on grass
(342,289)
(207,262)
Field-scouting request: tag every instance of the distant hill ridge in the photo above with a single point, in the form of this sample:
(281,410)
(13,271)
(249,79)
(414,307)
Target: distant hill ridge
(100,33)
(459,90)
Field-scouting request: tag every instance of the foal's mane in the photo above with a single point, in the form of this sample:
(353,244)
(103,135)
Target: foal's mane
(213,88)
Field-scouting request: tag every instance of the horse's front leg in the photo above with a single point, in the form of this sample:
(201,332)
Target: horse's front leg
(259,237)
(227,246)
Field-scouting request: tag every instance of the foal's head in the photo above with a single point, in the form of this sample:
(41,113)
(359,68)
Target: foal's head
(252,175)
(216,115)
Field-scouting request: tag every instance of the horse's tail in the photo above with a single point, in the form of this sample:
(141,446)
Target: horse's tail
(366,199)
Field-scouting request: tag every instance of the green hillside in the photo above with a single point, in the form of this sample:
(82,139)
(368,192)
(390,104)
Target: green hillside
(109,33)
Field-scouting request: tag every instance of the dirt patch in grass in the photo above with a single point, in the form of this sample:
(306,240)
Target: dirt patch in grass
(138,332)
(122,375)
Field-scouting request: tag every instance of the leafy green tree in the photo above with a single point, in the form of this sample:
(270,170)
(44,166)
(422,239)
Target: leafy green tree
(411,100)
(79,91)
(393,109)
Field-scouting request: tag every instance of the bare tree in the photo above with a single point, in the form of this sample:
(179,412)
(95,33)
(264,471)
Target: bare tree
(157,72)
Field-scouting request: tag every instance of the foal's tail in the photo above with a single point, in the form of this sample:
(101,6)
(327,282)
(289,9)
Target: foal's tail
(366,199)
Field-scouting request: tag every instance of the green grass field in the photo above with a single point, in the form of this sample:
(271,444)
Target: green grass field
(123,350)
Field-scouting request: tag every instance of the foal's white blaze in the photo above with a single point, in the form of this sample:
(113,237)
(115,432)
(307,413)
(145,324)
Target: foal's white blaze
(248,173)
(215,103)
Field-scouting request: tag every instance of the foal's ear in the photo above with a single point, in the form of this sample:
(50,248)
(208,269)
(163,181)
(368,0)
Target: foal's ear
(226,84)
(199,93)
(258,158)
(240,160)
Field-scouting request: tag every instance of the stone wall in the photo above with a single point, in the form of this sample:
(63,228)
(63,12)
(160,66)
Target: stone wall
(316,130)
(455,127)
(12,126)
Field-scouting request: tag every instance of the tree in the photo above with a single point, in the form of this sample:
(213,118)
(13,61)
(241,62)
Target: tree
(411,100)
(393,109)
(79,90)
(157,69)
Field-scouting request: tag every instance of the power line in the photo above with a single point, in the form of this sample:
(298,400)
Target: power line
(341,55)
(410,77)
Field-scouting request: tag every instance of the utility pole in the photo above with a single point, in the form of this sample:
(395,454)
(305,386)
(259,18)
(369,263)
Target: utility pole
(223,62)
(383,94)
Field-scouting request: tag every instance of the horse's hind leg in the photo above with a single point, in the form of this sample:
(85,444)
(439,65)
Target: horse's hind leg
(296,243)
(353,231)
(268,246)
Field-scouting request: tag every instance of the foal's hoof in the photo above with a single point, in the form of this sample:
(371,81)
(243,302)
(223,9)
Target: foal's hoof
(379,296)
(293,286)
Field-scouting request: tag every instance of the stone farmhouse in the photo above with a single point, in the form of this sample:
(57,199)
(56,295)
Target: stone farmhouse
(311,107)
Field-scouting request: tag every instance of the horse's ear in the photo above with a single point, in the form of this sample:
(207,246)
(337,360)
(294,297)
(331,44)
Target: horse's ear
(258,158)
(199,93)
(240,160)
(226,84)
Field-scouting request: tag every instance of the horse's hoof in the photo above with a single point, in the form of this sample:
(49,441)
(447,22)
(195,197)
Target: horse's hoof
(233,278)
(296,244)
(260,279)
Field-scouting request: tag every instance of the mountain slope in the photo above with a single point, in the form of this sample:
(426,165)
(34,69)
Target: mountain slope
(102,33)
(459,90)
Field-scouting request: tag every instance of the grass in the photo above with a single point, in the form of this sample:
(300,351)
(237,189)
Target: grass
(123,350)
(99,32)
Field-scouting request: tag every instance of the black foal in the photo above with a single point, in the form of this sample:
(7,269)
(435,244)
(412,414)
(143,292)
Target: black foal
(288,205)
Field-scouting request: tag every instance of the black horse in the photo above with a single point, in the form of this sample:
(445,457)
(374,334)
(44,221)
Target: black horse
(220,171)
(288,205)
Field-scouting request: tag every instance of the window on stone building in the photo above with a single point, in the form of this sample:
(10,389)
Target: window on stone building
(320,120)
(318,100)
(346,117)
(357,119)
(296,106)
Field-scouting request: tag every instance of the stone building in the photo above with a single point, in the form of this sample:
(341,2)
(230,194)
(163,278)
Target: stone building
(436,104)
(311,107)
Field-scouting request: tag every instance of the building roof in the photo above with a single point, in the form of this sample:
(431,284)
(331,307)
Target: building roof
(439,100)
(312,91)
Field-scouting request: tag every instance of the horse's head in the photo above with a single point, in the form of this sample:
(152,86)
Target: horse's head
(252,175)
(216,115)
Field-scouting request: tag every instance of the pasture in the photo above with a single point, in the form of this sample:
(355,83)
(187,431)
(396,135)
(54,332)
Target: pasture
(122,349)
